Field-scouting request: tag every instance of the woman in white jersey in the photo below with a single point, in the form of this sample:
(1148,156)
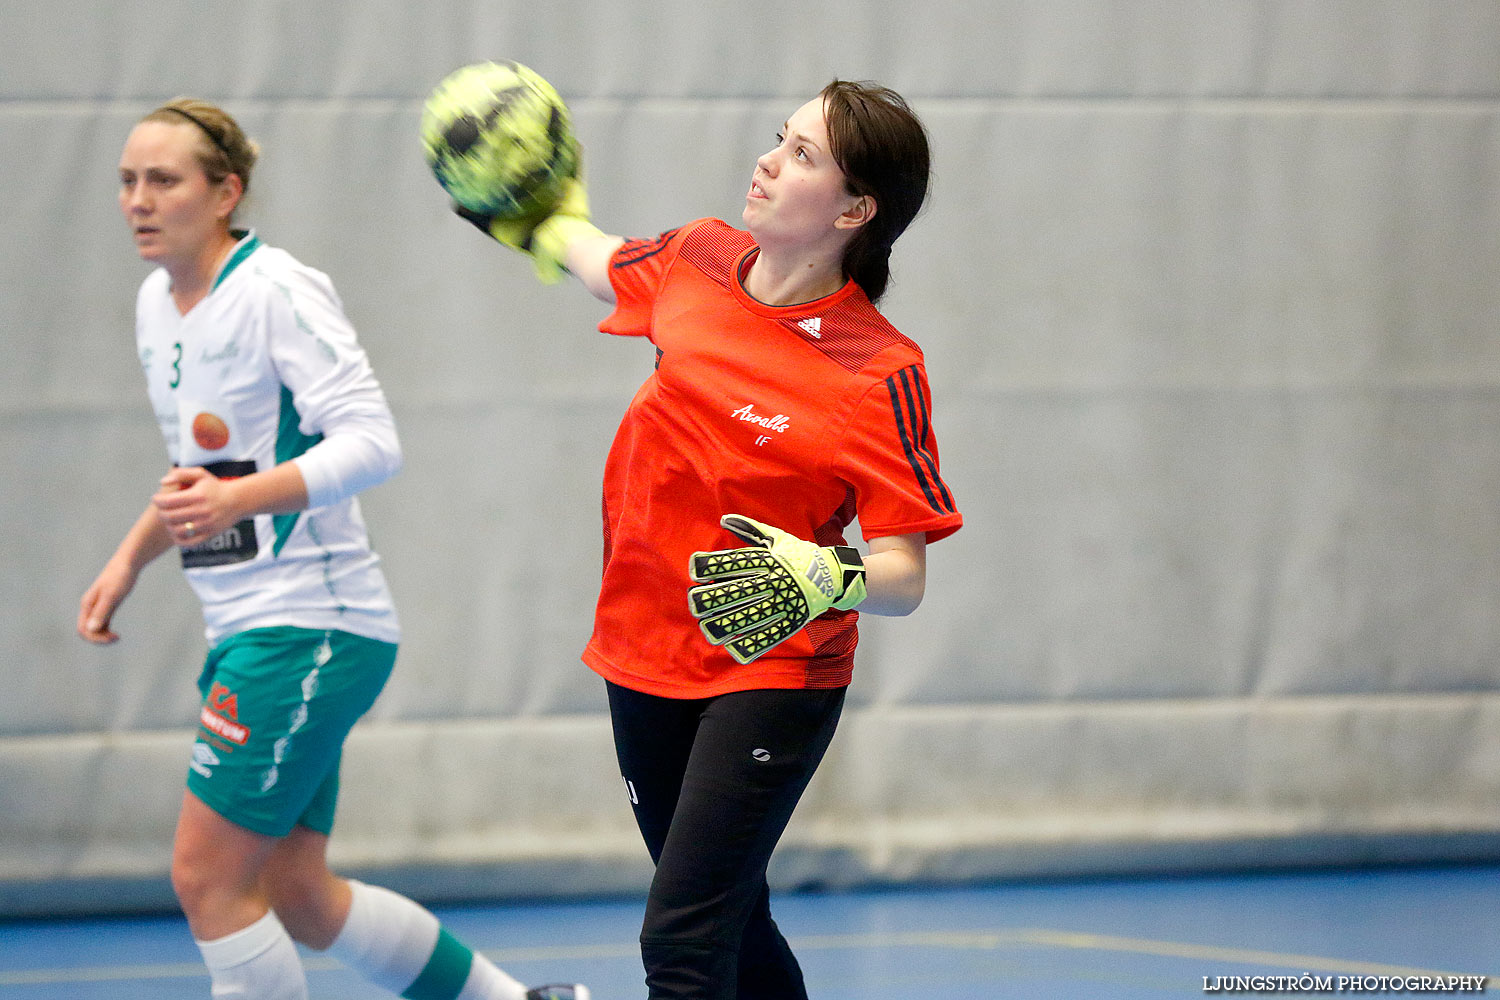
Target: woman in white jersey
(273,422)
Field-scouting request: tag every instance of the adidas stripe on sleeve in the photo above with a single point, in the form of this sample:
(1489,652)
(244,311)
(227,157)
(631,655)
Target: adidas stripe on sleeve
(890,458)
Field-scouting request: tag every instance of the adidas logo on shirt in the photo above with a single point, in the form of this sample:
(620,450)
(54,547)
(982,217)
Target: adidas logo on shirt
(812,326)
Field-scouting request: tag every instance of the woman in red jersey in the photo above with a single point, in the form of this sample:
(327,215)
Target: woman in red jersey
(782,406)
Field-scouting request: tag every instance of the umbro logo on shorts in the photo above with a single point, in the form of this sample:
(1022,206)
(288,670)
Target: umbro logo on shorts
(204,759)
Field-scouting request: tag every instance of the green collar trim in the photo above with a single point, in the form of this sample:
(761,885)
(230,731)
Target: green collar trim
(249,243)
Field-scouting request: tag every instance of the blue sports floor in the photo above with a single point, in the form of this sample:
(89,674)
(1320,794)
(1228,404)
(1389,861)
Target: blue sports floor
(1095,940)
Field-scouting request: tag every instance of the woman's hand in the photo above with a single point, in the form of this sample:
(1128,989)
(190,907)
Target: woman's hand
(195,505)
(100,601)
(147,539)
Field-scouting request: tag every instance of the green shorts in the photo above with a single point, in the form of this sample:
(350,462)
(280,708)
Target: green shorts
(277,704)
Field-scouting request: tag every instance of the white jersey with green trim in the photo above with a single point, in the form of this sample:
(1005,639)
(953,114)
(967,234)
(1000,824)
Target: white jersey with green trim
(267,369)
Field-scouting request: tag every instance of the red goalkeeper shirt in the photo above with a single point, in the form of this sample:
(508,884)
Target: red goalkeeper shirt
(799,416)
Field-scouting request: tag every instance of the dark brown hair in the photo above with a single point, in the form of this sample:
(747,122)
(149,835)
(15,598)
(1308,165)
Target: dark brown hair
(881,146)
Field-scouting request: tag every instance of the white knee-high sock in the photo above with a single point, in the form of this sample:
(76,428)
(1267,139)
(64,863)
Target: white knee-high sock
(259,962)
(399,945)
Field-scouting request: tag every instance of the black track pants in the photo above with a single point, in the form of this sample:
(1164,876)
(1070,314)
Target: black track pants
(713,783)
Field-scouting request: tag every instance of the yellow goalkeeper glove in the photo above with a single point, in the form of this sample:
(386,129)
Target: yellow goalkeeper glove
(543,237)
(750,599)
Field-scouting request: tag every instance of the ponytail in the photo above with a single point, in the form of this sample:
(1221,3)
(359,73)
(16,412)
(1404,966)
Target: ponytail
(882,148)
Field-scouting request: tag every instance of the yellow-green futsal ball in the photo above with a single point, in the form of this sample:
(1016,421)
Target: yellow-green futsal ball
(499,139)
